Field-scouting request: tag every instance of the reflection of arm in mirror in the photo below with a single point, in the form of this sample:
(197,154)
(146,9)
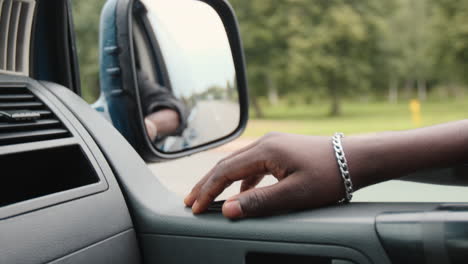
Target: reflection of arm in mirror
(164,114)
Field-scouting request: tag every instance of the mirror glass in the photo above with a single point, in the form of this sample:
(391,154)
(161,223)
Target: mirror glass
(189,96)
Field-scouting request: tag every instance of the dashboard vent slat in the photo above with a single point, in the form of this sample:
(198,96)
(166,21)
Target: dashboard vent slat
(36,124)
(4,28)
(20,105)
(16,17)
(21,137)
(12,35)
(15,97)
(21,99)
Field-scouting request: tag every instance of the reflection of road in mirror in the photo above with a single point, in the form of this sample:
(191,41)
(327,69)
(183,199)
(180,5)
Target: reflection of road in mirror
(209,120)
(214,119)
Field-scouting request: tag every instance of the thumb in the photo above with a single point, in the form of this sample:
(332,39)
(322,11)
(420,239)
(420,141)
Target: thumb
(151,129)
(263,201)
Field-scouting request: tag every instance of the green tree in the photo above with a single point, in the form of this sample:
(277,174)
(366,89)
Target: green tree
(414,41)
(451,46)
(344,49)
(265,34)
(326,49)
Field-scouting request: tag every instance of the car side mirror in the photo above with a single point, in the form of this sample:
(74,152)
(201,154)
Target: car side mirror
(172,75)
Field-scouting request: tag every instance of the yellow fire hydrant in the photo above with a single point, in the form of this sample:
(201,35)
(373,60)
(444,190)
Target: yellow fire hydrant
(415,108)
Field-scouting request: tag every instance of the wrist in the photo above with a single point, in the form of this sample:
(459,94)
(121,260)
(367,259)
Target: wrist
(343,167)
(363,159)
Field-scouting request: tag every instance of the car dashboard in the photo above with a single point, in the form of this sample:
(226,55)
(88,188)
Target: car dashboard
(59,199)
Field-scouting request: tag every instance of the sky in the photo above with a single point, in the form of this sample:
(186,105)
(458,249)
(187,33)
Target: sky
(194,44)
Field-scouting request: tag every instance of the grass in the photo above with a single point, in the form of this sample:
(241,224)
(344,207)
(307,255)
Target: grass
(357,118)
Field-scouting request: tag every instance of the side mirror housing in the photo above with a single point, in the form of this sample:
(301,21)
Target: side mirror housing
(172,75)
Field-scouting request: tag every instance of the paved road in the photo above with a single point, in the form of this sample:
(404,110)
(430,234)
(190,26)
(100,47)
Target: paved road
(181,175)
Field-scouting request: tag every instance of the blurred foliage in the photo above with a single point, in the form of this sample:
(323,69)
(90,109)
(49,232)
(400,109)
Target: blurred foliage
(86,15)
(337,49)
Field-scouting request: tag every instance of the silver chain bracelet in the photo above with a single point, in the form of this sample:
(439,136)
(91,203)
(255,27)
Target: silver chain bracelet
(343,165)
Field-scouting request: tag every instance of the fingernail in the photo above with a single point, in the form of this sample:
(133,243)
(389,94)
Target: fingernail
(195,207)
(232,209)
(186,201)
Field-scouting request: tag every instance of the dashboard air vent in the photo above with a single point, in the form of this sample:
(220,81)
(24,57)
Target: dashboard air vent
(24,118)
(16,18)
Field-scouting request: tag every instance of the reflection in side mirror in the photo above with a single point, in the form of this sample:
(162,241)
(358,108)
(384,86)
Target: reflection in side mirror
(172,75)
(186,75)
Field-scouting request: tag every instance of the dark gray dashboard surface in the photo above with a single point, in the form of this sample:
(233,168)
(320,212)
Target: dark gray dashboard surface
(119,249)
(52,233)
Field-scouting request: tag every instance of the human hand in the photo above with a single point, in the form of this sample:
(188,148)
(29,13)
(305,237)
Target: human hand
(163,122)
(305,166)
